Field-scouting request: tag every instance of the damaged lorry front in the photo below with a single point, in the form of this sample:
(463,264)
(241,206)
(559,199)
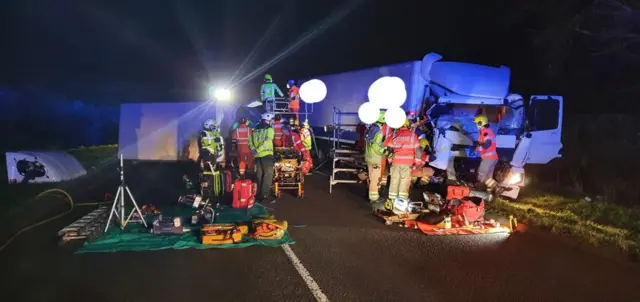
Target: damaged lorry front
(526,132)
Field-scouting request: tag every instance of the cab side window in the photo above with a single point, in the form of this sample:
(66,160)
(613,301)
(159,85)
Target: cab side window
(544,114)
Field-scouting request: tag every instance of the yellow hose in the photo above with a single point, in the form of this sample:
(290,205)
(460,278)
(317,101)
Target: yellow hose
(67,197)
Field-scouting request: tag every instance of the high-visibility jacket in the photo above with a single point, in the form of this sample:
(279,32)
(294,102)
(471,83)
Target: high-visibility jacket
(268,91)
(241,136)
(406,147)
(487,144)
(306,138)
(294,140)
(294,98)
(211,140)
(277,133)
(261,141)
(374,144)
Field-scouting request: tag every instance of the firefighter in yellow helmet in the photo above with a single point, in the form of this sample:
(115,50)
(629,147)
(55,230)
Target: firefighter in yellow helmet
(486,146)
(374,156)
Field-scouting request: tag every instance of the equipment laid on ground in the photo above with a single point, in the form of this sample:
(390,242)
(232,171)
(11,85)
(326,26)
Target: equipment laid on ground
(244,194)
(167,226)
(403,210)
(287,172)
(345,161)
(223,233)
(268,228)
(90,226)
(118,207)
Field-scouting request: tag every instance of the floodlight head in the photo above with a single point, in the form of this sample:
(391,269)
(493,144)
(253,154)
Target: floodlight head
(222,94)
(313,91)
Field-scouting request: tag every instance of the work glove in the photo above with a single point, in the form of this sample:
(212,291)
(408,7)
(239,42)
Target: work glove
(254,152)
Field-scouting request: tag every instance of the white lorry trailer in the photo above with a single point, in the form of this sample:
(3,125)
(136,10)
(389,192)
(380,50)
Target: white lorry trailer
(453,92)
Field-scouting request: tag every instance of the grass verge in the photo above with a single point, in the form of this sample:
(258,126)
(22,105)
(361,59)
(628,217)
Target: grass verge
(598,223)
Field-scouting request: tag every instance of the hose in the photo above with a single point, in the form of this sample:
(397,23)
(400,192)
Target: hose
(67,197)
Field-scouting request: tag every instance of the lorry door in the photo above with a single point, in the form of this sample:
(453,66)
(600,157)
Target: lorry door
(544,116)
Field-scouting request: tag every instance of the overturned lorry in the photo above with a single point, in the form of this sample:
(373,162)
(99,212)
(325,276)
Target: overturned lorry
(451,94)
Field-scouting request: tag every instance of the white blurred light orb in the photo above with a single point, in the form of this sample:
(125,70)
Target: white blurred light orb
(387,92)
(368,113)
(395,117)
(313,91)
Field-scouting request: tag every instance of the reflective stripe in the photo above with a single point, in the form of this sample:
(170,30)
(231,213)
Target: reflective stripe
(403,157)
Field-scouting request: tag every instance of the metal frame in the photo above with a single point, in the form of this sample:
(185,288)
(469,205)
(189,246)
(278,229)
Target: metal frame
(339,154)
(118,203)
(308,108)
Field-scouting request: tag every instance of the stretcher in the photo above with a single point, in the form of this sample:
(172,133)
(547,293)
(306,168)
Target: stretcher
(287,173)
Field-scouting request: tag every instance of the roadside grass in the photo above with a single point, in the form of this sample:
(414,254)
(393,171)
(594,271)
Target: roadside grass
(18,196)
(598,223)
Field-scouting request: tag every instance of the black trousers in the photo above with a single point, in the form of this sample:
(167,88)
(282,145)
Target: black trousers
(264,175)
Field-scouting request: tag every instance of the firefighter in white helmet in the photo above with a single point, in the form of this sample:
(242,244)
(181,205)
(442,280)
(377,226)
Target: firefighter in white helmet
(211,144)
(261,145)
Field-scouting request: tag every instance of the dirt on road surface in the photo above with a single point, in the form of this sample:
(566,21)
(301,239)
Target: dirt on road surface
(342,253)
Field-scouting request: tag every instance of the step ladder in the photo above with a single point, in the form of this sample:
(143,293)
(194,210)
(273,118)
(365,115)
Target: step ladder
(89,225)
(351,158)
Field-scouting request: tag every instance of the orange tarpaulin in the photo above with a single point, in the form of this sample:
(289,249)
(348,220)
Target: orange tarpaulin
(458,227)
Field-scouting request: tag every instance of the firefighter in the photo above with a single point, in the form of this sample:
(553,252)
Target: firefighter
(307,136)
(486,145)
(422,171)
(211,145)
(373,152)
(277,131)
(403,147)
(261,145)
(268,93)
(240,137)
(294,97)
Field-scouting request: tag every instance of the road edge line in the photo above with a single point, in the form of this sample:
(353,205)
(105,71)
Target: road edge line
(302,271)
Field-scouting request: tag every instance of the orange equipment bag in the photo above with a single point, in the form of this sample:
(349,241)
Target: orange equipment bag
(457,192)
(223,233)
(268,229)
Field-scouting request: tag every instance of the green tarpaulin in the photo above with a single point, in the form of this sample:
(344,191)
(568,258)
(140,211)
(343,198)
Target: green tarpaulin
(136,238)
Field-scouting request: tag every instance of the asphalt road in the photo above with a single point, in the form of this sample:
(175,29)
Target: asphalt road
(348,253)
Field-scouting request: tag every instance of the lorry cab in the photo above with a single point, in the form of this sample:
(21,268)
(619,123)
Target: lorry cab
(527,131)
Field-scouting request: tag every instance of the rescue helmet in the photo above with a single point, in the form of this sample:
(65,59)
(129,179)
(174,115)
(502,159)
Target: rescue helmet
(423,142)
(209,124)
(381,117)
(291,83)
(268,78)
(278,117)
(306,123)
(293,121)
(481,120)
(267,116)
(243,120)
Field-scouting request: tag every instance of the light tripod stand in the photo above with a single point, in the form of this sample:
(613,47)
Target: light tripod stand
(118,208)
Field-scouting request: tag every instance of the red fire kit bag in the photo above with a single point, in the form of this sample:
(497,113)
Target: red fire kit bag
(244,194)
(467,209)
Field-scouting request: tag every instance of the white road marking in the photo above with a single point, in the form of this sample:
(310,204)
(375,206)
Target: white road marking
(313,286)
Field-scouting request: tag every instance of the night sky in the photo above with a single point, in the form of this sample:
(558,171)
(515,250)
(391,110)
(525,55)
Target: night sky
(171,50)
